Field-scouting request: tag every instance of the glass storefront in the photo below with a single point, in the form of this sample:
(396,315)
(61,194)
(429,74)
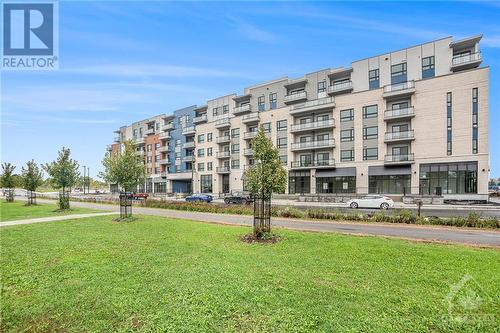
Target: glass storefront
(299,182)
(389,184)
(160,187)
(206,183)
(448,178)
(339,184)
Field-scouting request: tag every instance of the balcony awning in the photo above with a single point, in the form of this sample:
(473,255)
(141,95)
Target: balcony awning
(339,172)
(466,42)
(242,98)
(380,170)
(340,73)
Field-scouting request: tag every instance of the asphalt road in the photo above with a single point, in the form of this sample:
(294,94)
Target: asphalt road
(425,233)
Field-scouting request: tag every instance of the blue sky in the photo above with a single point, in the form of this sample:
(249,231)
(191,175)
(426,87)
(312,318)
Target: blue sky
(124,61)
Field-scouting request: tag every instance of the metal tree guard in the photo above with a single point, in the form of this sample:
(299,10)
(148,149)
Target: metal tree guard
(31,196)
(9,195)
(64,199)
(125,205)
(261,215)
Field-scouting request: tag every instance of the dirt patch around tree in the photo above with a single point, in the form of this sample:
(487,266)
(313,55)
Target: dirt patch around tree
(264,239)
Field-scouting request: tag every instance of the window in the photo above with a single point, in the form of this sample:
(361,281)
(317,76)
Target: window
(177,142)
(323,117)
(373,79)
(282,142)
(427,67)
(261,103)
(338,184)
(201,166)
(206,183)
(346,115)
(370,154)
(389,184)
(157,145)
(273,101)
(474,120)
(370,111)
(322,137)
(347,135)
(209,137)
(150,159)
(201,138)
(235,164)
(347,155)
(135,133)
(448,178)
(225,109)
(321,86)
(267,127)
(209,151)
(150,147)
(281,125)
(215,112)
(284,159)
(398,73)
(235,133)
(370,133)
(449,123)
(235,148)
(209,166)
(177,155)
(201,152)
(322,158)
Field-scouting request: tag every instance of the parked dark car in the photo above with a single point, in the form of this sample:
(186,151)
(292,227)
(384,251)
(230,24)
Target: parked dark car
(199,197)
(239,198)
(138,196)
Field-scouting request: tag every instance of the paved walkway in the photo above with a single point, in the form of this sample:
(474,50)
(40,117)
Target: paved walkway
(413,232)
(52,219)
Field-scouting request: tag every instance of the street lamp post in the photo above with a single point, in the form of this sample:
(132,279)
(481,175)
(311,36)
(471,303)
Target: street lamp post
(84,168)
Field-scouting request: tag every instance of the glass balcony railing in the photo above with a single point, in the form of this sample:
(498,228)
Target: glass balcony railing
(313,144)
(400,135)
(466,58)
(313,125)
(313,164)
(399,113)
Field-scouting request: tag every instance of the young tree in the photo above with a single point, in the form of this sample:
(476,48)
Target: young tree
(32,178)
(264,178)
(63,174)
(126,169)
(8,180)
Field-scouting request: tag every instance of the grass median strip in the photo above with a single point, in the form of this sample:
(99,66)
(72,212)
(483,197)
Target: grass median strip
(176,275)
(18,210)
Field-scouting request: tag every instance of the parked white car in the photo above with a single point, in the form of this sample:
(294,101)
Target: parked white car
(371,201)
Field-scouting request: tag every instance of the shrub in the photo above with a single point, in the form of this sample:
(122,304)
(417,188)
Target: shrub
(288,211)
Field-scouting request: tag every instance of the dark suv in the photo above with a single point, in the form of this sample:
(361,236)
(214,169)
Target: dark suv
(238,198)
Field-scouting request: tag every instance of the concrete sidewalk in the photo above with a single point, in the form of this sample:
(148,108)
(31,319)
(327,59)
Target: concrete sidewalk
(52,219)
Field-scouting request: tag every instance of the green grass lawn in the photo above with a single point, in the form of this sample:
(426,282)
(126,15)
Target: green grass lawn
(18,210)
(166,275)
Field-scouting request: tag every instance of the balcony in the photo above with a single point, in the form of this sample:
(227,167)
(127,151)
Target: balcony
(139,140)
(223,154)
(149,131)
(223,139)
(250,118)
(316,105)
(165,136)
(165,161)
(399,114)
(399,136)
(313,164)
(188,145)
(140,153)
(222,123)
(330,143)
(248,152)
(242,109)
(398,159)
(116,139)
(223,169)
(164,174)
(109,147)
(251,135)
(340,88)
(295,97)
(189,158)
(189,130)
(200,119)
(168,127)
(315,125)
(466,61)
(399,89)
(163,149)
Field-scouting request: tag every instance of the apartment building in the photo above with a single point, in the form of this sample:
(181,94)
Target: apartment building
(412,121)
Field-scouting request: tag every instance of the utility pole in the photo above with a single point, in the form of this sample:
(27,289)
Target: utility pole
(84,168)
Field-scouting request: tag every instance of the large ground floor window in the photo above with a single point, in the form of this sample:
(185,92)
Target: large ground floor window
(448,178)
(160,187)
(339,184)
(206,183)
(299,182)
(389,184)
